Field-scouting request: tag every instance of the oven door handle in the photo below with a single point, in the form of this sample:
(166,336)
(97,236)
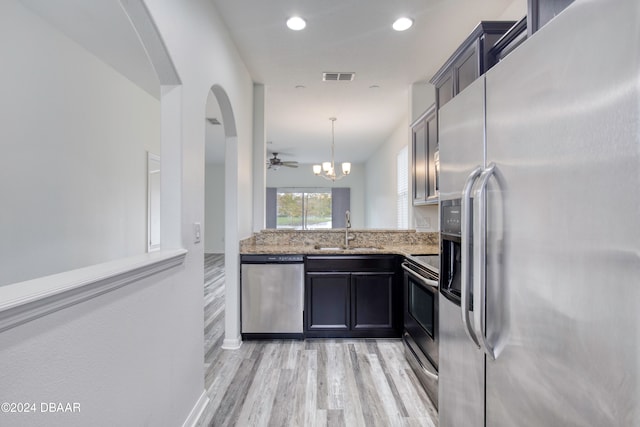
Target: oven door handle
(428,372)
(427,282)
(465,245)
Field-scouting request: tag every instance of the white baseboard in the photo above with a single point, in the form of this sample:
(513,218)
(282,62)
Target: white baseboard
(197,410)
(231,343)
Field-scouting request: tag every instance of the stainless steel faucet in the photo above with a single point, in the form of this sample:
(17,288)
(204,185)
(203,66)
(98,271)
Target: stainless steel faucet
(347,238)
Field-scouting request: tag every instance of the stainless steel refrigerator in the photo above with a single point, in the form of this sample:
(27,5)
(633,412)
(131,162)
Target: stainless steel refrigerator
(547,145)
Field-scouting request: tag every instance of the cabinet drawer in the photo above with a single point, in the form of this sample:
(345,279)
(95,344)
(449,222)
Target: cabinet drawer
(349,263)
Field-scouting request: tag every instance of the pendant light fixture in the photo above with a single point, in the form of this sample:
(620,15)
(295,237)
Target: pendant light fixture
(327,170)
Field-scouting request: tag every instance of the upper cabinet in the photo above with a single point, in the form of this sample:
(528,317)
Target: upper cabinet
(424,134)
(509,41)
(542,11)
(471,60)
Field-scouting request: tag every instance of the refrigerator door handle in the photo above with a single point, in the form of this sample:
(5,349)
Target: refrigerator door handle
(465,244)
(480,259)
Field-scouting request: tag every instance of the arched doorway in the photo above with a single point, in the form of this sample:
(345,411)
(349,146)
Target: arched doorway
(214,233)
(221,213)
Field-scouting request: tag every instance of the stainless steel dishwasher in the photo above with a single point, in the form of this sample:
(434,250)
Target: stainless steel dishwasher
(272,293)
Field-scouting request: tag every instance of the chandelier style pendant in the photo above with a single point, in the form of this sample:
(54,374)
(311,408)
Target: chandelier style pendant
(328,170)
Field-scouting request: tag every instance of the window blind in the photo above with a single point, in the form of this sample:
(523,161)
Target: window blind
(402,206)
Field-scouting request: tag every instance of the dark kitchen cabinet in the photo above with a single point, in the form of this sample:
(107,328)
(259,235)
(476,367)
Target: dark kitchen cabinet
(352,296)
(423,169)
(510,40)
(328,305)
(542,11)
(372,301)
(469,61)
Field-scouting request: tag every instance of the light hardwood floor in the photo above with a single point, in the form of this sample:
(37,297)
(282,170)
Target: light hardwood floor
(305,383)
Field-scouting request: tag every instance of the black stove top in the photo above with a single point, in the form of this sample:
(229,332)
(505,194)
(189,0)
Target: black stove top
(430,262)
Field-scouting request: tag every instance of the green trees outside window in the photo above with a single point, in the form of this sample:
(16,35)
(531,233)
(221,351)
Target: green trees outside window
(302,210)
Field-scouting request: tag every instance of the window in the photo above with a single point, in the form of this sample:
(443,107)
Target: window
(306,208)
(402,207)
(303,209)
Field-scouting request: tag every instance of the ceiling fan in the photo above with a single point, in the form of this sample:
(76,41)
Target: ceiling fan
(274,163)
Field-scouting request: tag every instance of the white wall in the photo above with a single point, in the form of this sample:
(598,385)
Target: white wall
(421,96)
(132,356)
(205,56)
(516,10)
(381,178)
(259,156)
(74,138)
(214,209)
(303,177)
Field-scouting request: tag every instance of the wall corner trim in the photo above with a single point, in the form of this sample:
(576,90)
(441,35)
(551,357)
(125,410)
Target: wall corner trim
(25,301)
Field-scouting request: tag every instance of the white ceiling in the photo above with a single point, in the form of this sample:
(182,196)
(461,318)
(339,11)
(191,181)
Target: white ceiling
(341,35)
(350,36)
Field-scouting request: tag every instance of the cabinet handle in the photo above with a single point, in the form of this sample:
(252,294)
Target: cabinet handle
(465,245)
(480,259)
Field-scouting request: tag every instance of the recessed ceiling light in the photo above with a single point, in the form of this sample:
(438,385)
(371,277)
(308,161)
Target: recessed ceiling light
(374,87)
(301,87)
(402,24)
(296,23)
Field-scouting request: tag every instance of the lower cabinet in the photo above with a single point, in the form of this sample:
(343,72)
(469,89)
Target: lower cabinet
(328,297)
(352,296)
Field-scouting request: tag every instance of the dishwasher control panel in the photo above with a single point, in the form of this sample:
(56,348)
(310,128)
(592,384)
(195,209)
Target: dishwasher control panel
(268,259)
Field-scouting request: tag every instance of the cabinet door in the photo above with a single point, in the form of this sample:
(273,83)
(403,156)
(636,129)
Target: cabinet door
(432,144)
(542,11)
(444,90)
(372,301)
(419,169)
(327,301)
(425,140)
(466,69)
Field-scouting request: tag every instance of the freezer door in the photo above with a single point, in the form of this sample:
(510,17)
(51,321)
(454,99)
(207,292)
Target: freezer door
(461,138)
(461,363)
(563,126)
(460,373)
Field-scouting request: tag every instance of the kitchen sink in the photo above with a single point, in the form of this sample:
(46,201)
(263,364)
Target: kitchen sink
(350,248)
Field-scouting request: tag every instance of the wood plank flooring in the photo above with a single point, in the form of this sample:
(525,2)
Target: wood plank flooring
(305,383)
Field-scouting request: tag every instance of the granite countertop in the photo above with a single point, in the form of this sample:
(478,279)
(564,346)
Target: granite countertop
(330,242)
(313,250)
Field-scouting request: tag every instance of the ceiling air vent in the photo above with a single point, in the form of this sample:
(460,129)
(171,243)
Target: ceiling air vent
(213,121)
(338,77)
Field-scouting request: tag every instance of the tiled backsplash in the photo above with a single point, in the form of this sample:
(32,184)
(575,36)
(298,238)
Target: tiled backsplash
(336,238)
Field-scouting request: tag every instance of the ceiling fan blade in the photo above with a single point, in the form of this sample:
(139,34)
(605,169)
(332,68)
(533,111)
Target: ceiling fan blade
(290,165)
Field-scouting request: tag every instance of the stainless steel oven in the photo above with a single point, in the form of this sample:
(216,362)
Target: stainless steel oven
(420,335)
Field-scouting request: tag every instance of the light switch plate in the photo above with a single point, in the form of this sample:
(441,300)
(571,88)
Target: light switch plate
(197,232)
